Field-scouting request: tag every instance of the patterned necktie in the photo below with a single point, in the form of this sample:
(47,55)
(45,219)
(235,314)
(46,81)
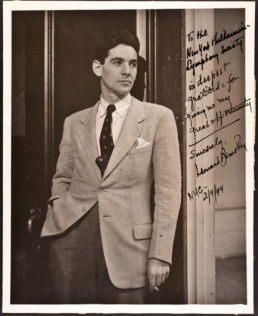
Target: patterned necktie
(106,141)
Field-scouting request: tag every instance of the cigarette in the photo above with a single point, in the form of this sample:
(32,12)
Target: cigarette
(156,289)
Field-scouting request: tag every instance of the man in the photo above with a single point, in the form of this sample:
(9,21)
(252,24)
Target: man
(106,246)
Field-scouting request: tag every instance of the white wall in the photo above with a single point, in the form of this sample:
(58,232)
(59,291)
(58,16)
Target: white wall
(230,209)
(230,233)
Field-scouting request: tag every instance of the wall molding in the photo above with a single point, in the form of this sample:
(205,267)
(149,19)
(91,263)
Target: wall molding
(230,207)
(49,99)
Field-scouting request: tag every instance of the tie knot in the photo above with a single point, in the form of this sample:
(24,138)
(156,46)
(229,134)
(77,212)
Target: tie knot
(111,108)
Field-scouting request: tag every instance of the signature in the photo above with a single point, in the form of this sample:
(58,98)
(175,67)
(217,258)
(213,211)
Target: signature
(222,159)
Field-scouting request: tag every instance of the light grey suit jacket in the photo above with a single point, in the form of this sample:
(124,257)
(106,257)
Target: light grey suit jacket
(129,235)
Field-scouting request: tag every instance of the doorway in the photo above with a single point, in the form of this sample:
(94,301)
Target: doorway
(62,63)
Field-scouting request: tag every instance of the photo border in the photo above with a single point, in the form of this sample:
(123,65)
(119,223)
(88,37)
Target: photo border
(8,7)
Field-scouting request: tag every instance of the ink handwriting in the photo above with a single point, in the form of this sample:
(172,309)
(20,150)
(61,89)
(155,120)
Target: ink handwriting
(225,35)
(204,48)
(222,159)
(211,89)
(213,133)
(206,193)
(215,71)
(239,107)
(206,59)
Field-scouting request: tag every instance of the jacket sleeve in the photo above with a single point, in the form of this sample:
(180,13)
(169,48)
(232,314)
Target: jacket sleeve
(65,165)
(167,178)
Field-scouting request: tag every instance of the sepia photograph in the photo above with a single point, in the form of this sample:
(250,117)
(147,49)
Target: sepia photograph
(128,164)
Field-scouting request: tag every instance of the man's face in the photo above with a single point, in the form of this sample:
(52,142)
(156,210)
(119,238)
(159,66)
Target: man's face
(119,70)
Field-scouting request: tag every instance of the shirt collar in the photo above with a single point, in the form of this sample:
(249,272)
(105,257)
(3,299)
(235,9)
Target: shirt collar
(121,106)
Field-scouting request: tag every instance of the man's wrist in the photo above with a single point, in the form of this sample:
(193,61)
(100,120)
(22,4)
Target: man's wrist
(168,263)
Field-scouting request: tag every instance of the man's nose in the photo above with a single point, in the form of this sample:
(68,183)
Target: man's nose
(126,69)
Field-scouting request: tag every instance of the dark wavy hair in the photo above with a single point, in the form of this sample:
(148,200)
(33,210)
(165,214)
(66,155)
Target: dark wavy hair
(111,40)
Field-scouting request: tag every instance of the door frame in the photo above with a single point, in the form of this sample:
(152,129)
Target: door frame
(147,32)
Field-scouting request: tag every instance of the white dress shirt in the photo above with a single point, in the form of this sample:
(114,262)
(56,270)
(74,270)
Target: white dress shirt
(118,117)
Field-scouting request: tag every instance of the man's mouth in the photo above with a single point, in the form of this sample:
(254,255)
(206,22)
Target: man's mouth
(125,81)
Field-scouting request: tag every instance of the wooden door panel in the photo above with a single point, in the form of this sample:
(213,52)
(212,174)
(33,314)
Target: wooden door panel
(165,86)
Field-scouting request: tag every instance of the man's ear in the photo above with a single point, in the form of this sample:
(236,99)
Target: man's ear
(97,68)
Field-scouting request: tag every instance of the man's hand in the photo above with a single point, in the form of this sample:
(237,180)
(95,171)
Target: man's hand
(158,271)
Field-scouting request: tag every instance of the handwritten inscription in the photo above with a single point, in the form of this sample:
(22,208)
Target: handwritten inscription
(222,159)
(190,52)
(211,89)
(206,59)
(207,119)
(225,35)
(206,194)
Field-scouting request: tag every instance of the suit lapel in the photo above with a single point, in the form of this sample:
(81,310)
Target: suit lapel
(87,136)
(130,131)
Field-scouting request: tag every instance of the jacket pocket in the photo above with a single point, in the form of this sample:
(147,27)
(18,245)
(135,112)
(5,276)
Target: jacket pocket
(142,231)
(55,198)
(139,151)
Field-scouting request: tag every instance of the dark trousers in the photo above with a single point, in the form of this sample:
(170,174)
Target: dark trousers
(78,267)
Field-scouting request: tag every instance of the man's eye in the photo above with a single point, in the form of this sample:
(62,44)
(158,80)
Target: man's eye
(134,65)
(118,62)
